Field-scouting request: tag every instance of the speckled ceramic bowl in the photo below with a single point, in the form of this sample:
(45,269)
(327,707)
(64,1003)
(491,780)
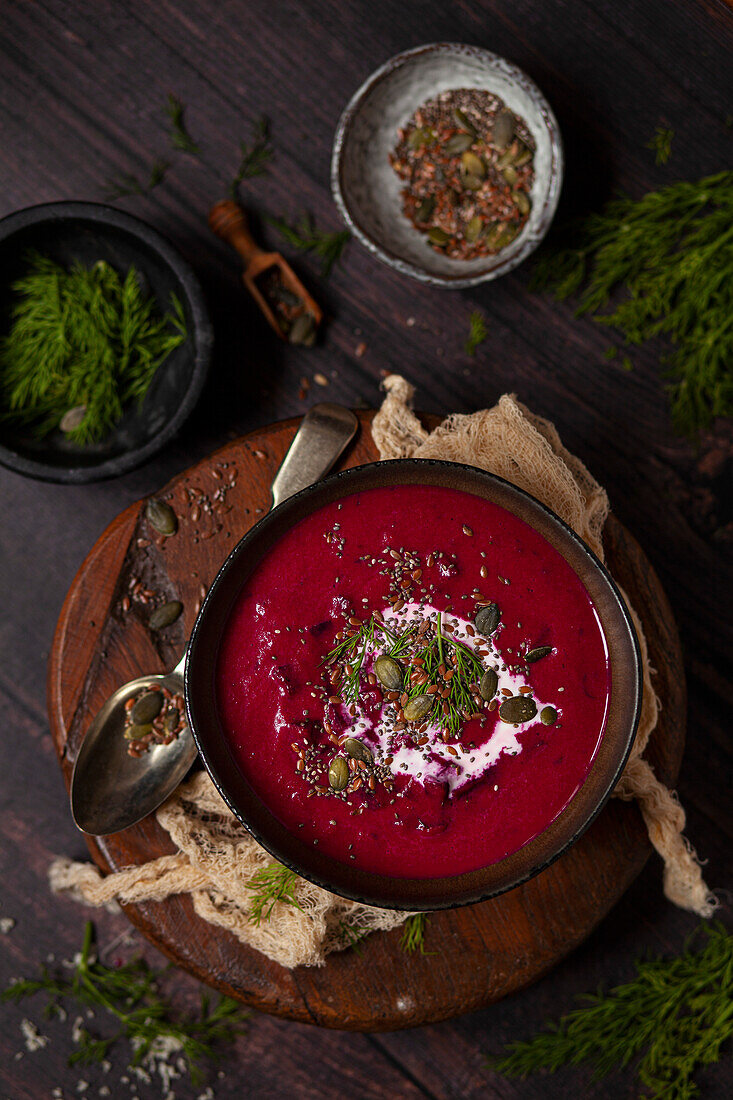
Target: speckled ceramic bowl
(367,190)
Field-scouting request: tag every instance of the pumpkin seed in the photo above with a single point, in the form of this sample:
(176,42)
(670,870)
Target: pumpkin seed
(505,159)
(471,183)
(548,716)
(518,709)
(286,296)
(418,708)
(388,672)
(471,165)
(338,773)
(473,229)
(538,653)
(357,749)
(503,129)
(487,619)
(134,733)
(510,175)
(147,707)
(419,137)
(438,236)
(501,235)
(166,615)
(303,330)
(425,209)
(523,157)
(161,517)
(73,418)
(521,202)
(462,120)
(458,144)
(489,684)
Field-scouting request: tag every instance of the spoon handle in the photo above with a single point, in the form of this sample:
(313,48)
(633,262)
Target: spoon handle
(324,433)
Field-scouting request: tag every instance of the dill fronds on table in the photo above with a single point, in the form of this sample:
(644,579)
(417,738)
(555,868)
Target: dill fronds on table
(254,157)
(306,237)
(145,1017)
(674,1016)
(126,184)
(671,254)
(85,341)
(477,332)
(180,137)
(661,144)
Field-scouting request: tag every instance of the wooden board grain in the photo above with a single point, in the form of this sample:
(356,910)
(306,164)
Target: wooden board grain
(477,954)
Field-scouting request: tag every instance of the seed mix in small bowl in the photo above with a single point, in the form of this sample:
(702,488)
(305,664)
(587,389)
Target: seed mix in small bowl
(468,165)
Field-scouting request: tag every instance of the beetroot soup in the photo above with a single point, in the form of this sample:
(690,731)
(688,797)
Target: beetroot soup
(415,680)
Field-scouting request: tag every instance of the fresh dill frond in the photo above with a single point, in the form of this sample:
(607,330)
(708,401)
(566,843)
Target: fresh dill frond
(670,256)
(444,653)
(674,1017)
(413,934)
(661,144)
(180,137)
(477,332)
(269,886)
(350,936)
(254,157)
(84,340)
(145,1017)
(437,652)
(125,184)
(304,235)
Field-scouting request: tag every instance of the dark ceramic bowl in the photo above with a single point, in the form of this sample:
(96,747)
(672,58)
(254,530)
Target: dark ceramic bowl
(84,231)
(349,881)
(367,191)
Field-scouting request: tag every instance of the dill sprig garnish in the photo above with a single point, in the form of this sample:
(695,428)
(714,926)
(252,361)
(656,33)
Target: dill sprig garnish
(85,340)
(674,1016)
(304,235)
(671,252)
(413,934)
(354,648)
(180,137)
(438,653)
(130,993)
(253,157)
(270,885)
(119,187)
(661,144)
(477,332)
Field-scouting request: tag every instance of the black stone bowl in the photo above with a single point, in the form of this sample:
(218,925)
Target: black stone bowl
(85,231)
(348,880)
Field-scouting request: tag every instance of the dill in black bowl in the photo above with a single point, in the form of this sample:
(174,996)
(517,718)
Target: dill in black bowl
(83,343)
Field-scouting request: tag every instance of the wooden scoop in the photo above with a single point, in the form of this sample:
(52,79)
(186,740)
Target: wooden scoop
(287,305)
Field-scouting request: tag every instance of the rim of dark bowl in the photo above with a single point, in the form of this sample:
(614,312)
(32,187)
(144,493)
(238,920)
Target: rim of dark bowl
(201,330)
(347,880)
(524,245)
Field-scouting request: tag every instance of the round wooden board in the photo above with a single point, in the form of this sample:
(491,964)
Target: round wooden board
(479,953)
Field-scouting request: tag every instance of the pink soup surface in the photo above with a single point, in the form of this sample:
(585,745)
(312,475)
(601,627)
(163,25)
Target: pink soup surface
(456,806)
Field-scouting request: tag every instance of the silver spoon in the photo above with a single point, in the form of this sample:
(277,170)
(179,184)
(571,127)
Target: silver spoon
(111,790)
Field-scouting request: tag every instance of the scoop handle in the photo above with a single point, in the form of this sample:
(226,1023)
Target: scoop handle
(324,432)
(228,221)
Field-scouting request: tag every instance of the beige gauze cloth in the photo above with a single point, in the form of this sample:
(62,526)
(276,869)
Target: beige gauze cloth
(216,858)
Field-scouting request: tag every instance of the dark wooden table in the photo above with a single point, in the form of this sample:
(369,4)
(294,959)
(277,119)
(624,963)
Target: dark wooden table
(82,87)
